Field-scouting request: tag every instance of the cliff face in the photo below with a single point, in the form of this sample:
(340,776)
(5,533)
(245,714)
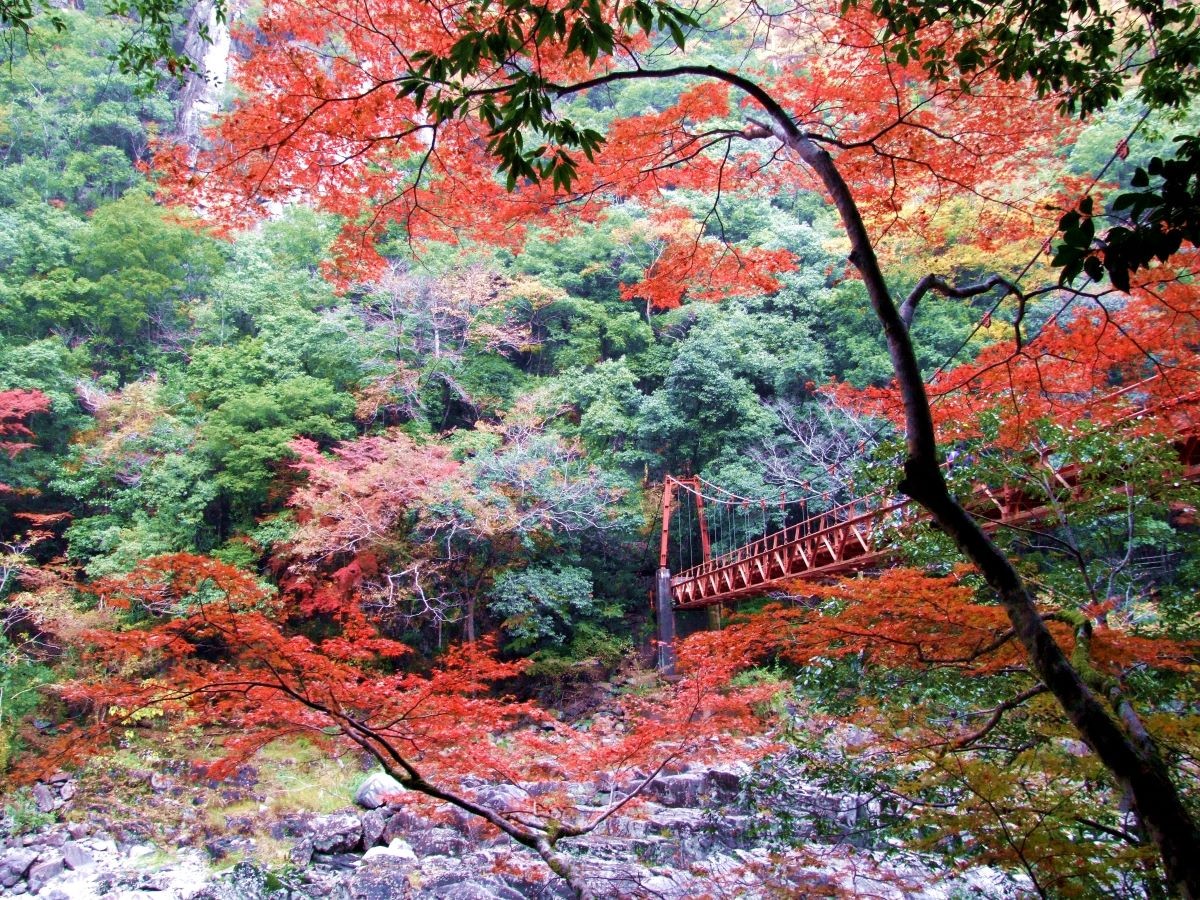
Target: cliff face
(201,92)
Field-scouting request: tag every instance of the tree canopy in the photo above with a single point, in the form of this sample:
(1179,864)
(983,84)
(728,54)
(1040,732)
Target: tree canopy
(359,432)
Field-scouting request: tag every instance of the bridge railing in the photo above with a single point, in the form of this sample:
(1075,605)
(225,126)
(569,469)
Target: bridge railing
(842,536)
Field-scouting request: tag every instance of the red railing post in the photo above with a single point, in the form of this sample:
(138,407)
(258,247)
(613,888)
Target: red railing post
(664,602)
(668,487)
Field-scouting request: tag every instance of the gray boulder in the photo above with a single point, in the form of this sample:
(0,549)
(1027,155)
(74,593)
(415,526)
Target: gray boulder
(48,866)
(503,797)
(397,849)
(467,886)
(684,790)
(337,833)
(373,824)
(246,881)
(14,863)
(44,797)
(402,823)
(438,842)
(301,854)
(695,834)
(75,856)
(377,790)
(382,878)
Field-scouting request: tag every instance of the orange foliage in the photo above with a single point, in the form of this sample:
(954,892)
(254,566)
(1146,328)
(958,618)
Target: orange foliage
(702,268)
(238,658)
(903,618)
(1100,360)
(165,585)
(330,127)
(353,498)
(16,406)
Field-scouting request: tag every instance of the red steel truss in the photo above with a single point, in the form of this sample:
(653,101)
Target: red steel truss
(860,534)
(847,537)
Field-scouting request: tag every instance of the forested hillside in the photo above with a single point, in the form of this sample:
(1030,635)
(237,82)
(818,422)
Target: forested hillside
(335,424)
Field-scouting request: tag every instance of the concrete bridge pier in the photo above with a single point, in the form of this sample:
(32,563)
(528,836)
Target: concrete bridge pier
(665,616)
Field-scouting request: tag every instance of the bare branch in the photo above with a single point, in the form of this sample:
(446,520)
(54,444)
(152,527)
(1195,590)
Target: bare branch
(996,714)
(908,308)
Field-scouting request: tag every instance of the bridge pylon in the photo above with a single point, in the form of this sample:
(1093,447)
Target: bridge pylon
(664,613)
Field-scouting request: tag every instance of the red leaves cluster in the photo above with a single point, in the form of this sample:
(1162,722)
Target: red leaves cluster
(16,406)
(237,658)
(1076,366)
(1098,360)
(908,147)
(702,268)
(320,118)
(233,654)
(353,498)
(166,585)
(904,618)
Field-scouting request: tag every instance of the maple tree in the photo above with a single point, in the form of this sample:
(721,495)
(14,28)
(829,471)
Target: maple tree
(408,110)
(1087,55)
(21,640)
(422,536)
(216,647)
(354,498)
(16,406)
(958,739)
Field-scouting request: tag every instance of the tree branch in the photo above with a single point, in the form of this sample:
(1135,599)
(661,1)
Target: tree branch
(908,308)
(996,714)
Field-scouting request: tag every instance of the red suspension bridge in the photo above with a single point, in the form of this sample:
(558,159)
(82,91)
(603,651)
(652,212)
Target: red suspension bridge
(727,546)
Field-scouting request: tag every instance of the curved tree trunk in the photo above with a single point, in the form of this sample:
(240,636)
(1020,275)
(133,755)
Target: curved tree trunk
(1133,759)
(1125,749)
(565,868)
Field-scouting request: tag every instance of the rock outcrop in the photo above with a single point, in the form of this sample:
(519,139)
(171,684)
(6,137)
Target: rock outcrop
(690,834)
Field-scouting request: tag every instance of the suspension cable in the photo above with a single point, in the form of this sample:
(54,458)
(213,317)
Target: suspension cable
(691,537)
(679,543)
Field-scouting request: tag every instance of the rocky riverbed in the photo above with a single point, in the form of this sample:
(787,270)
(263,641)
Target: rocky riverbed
(686,839)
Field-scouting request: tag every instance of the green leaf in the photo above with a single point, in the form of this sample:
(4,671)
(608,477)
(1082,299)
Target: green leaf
(676,34)
(1068,221)
(1125,200)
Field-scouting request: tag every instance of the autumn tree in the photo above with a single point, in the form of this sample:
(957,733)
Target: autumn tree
(425,103)
(16,407)
(1086,55)
(455,338)
(424,540)
(215,647)
(959,748)
(21,672)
